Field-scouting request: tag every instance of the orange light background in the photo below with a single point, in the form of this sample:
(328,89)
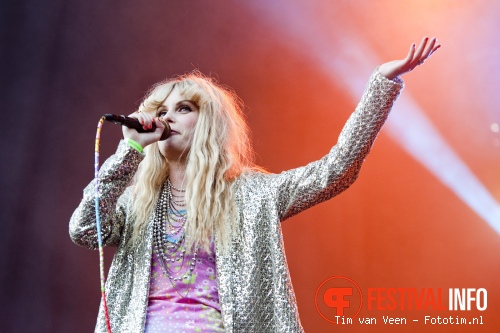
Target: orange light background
(399,225)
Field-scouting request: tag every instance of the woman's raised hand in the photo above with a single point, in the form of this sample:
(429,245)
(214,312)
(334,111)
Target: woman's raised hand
(415,57)
(146,121)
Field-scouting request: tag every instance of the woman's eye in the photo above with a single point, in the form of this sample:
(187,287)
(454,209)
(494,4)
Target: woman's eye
(184,108)
(162,113)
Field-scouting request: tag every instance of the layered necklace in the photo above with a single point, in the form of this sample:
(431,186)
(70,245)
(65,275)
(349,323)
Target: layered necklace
(169,240)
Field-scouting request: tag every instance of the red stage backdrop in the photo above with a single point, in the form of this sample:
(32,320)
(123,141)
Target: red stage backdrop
(412,246)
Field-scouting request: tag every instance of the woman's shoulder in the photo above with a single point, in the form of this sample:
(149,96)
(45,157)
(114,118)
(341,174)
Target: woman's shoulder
(250,176)
(256,181)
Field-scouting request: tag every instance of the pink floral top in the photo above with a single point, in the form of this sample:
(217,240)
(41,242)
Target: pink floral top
(193,306)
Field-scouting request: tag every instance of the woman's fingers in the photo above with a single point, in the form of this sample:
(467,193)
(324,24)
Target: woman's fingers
(421,47)
(434,48)
(428,51)
(145,138)
(410,56)
(417,58)
(145,119)
(429,48)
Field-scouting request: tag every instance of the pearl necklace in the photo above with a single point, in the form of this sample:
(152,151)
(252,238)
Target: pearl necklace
(169,240)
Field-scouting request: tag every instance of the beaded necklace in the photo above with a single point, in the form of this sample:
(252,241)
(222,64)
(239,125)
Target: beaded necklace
(169,239)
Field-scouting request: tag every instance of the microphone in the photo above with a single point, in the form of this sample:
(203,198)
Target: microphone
(135,124)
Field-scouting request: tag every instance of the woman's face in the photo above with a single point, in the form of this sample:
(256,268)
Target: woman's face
(181,114)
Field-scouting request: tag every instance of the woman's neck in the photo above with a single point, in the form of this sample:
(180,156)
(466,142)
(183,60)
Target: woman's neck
(177,173)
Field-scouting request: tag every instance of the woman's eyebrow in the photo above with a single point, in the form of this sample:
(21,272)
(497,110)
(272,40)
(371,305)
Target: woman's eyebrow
(164,107)
(187,101)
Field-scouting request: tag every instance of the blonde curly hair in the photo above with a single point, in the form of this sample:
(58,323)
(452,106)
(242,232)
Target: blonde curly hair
(220,152)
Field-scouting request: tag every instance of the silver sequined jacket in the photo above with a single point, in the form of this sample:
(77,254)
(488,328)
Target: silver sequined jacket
(255,289)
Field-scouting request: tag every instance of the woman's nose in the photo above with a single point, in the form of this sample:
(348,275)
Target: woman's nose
(168,116)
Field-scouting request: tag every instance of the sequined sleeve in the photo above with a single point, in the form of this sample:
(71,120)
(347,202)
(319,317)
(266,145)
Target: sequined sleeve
(304,187)
(114,177)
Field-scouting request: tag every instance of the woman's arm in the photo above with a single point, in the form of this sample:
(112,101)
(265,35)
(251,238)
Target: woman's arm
(304,187)
(114,177)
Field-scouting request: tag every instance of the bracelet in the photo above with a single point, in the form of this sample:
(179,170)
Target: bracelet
(134,144)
